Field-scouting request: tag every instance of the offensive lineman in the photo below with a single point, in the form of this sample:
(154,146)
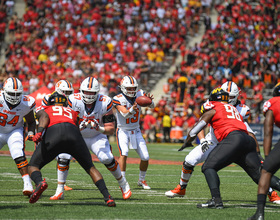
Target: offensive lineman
(14,107)
(128,132)
(97,121)
(207,144)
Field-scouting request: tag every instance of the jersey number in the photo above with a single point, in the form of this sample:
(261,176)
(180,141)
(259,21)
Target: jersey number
(134,119)
(62,111)
(233,113)
(3,120)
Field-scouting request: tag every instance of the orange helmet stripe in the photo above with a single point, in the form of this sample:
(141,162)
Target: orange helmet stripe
(229,86)
(15,83)
(131,80)
(90,82)
(68,83)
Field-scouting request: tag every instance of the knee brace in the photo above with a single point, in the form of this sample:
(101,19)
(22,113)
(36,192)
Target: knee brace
(112,166)
(63,164)
(187,168)
(21,162)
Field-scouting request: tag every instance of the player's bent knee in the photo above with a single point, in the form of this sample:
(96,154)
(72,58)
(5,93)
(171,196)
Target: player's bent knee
(21,162)
(112,166)
(63,164)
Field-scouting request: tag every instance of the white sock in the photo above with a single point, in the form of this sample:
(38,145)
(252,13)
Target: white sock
(26,178)
(142,175)
(60,188)
(62,175)
(123,173)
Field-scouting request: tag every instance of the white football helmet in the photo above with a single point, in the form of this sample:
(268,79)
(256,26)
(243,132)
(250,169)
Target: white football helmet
(233,91)
(64,87)
(91,85)
(131,83)
(13,90)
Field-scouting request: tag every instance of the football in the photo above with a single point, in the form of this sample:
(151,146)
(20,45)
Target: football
(143,101)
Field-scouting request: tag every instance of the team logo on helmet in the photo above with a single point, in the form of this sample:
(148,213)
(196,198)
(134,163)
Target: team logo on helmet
(57,99)
(219,94)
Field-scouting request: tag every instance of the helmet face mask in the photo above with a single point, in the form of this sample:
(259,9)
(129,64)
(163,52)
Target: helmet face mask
(89,90)
(13,90)
(64,87)
(219,95)
(233,91)
(129,86)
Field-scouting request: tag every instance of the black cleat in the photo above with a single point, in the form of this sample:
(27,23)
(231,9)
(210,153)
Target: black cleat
(110,202)
(211,204)
(40,188)
(257,216)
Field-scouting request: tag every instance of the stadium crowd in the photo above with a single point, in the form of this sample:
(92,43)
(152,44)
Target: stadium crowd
(110,39)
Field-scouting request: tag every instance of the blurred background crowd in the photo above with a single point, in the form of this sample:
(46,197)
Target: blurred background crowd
(108,39)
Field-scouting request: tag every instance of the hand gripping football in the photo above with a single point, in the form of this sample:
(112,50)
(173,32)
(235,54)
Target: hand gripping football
(143,101)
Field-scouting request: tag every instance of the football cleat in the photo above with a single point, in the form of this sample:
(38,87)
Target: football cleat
(126,192)
(144,184)
(211,204)
(177,192)
(274,198)
(257,216)
(27,189)
(67,188)
(58,196)
(40,188)
(110,202)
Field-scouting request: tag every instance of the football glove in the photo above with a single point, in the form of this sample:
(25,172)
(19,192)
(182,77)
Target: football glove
(185,145)
(37,137)
(83,125)
(29,136)
(94,124)
(204,145)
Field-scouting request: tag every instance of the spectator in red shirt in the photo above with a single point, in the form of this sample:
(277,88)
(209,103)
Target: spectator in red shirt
(149,126)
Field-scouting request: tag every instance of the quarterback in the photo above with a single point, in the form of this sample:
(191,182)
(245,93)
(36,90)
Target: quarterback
(128,128)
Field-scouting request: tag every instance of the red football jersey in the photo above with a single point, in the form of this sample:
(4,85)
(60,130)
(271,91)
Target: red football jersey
(226,119)
(273,105)
(60,114)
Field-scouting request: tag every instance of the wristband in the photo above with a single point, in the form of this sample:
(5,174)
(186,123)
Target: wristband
(131,110)
(30,133)
(101,129)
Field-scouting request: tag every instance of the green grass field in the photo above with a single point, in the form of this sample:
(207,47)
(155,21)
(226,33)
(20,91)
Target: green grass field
(85,202)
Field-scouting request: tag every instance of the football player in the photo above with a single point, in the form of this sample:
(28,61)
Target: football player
(63,160)
(96,122)
(58,132)
(235,145)
(14,107)
(209,142)
(128,132)
(271,163)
